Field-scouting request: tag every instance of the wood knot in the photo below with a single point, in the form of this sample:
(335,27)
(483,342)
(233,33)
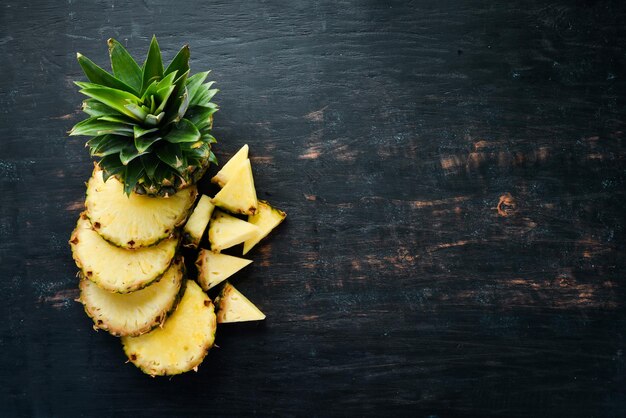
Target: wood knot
(506,205)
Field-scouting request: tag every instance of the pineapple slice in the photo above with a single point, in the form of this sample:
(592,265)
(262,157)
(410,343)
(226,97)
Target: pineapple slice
(266,218)
(182,342)
(117,269)
(232,306)
(134,221)
(231,167)
(133,313)
(238,195)
(227,231)
(197,222)
(214,268)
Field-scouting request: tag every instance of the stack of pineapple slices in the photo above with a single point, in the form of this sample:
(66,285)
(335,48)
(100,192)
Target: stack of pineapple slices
(133,278)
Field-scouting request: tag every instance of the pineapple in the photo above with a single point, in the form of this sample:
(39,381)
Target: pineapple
(117,269)
(182,342)
(227,231)
(150,127)
(214,268)
(266,218)
(134,221)
(232,306)
(197,222)
(133,313)
(238,195)
(222,177)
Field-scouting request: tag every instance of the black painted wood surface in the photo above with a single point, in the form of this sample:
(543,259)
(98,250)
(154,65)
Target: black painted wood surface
(453,174)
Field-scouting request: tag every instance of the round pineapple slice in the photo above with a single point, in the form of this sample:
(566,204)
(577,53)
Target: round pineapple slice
(182,342)
(133,313)
(137,220)
(117,269)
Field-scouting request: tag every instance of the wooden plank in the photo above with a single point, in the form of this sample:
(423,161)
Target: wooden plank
(453,174)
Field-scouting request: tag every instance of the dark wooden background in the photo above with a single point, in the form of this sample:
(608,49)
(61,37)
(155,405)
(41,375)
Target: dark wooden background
(454,176)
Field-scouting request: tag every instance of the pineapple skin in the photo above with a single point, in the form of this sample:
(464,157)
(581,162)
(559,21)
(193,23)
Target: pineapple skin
(158,321)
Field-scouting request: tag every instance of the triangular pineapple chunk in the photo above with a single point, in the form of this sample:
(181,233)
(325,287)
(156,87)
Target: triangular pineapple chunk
(238,195)
(234,307)
(199,219)
(214,268)
(227,231)
(231,167)
(266,218)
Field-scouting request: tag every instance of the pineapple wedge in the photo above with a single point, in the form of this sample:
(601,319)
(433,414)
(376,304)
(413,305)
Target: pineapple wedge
(232,306)
(222,177)
(214,268)
(238,195)
(266,218)
(117,269)
(133,313)
(182,342)
(197,222)
(226,231)
(134,221)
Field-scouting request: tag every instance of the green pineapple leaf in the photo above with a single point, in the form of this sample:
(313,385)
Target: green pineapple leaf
(183,131)
(163,95)
(213,158)
(142,143)
(195,81)
(132,175)
(117,118)
(184,105)
(94,126)
(203,95)
(92,107)
(150,164)
(107,145)
(201,116)
(180,62)
(99,76)
(153,66)
(171,154)
(111,166)
(115,99)
(129,153)
(137,111)
(125,68)
(139,131)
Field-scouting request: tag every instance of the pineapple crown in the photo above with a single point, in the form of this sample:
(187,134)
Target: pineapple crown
(150,126)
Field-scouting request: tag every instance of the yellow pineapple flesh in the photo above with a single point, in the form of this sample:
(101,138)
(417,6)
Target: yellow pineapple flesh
(182,342)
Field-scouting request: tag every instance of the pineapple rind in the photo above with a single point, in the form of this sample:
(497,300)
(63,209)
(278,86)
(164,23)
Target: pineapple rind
(214,268)
(197,222)
(117,269)
(226,231)
(239,195)
(231,166)
(182,342)
(233,306)
(136,313)
(134,221)
(266,218)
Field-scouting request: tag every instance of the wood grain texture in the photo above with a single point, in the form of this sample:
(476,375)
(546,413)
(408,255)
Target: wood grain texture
(453,174)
